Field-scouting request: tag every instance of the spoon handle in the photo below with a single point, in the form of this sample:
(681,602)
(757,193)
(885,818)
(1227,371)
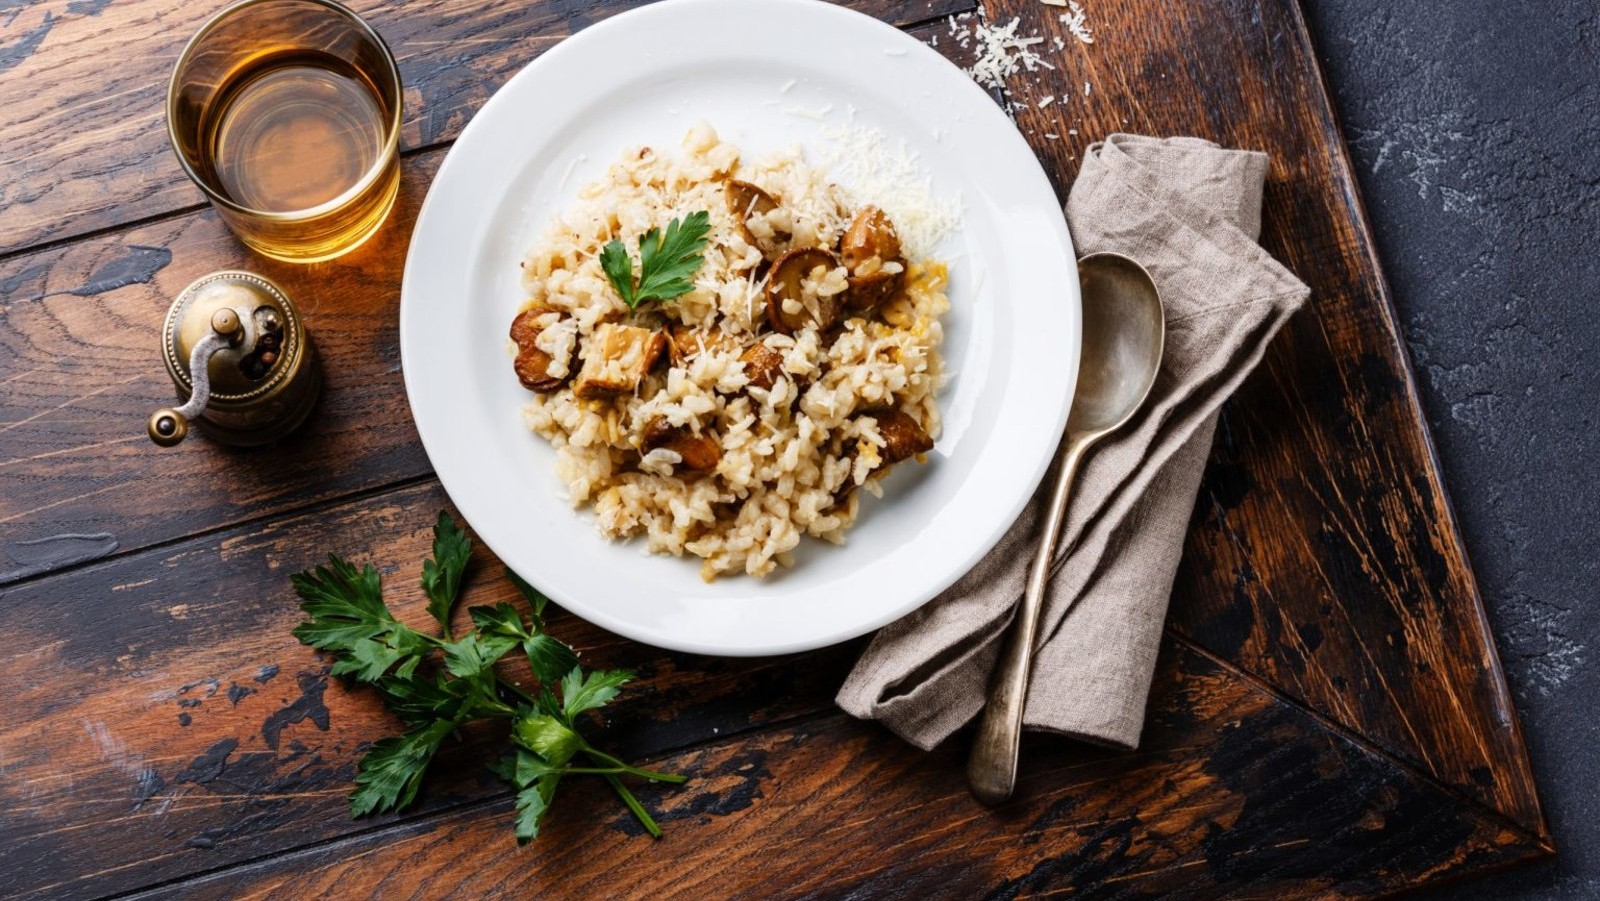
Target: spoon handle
(992,768)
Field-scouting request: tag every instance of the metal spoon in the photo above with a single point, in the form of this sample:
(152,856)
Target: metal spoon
(1123,335)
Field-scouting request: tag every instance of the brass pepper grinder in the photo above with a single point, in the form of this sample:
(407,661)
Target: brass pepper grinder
(239,356)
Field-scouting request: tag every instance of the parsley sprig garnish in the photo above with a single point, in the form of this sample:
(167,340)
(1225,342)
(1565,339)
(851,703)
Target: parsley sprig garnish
(435,684)
(667,261)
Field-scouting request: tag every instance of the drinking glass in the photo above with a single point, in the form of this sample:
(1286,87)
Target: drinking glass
(287,115)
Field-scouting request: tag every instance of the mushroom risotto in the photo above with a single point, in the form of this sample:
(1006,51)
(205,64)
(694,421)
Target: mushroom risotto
(778,349)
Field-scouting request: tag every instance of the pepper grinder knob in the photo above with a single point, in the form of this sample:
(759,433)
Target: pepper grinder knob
(169,425)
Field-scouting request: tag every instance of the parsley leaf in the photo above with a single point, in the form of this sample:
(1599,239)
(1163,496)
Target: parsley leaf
(473,656)
(550,658)
(534,596)
(580,691)
(536,784)
(667,261)
(419,700)
(548,737)
(368,659)
(441,573)
(533,803)
(348,617)
(619,269)
(390,774)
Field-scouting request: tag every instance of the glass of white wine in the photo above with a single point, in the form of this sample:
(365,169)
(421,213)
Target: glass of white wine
(287,115)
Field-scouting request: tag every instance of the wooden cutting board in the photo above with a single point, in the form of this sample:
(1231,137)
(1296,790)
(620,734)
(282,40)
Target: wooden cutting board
(1329,718)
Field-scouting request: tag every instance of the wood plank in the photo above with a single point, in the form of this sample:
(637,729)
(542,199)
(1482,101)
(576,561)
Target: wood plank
(162,721)
(91,149)
(1323,555)
(1236,795)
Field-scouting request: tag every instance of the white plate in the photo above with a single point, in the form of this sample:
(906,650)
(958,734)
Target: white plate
(644,77)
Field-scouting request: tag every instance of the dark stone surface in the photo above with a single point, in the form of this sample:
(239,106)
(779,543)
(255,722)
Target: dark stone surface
(1475,129)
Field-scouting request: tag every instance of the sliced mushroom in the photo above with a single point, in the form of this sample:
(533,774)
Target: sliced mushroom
(533,364)
(762,366)
(870,250)
(698,453)
(681,343)
(871,234)
(868,292)
(903,437)
(790,305)
(616,359)
(685,341)
(748,202)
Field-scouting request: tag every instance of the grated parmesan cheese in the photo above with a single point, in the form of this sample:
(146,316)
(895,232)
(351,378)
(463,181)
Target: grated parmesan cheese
(809,113)
(1001,51)
(864,165)
(1047,100)
(1077,21)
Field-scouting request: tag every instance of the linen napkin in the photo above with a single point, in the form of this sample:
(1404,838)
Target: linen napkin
(1189,211)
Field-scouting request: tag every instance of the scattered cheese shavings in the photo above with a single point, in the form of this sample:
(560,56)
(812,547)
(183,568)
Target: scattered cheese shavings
(1047,100)
(864,164)
(784,88)
(807,113)
(1052,136)
(1086,89)
(1077,22)
(1001,51)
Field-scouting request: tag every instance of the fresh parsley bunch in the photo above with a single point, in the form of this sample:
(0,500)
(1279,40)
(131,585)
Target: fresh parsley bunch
(667,261)
(438,683)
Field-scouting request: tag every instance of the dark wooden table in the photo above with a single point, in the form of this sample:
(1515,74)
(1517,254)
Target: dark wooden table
(1329,717)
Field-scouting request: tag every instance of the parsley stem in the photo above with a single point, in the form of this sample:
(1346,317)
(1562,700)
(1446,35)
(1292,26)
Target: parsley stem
(603,757)
(639,813)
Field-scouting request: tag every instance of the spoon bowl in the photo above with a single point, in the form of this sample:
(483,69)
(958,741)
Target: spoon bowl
(1124,335)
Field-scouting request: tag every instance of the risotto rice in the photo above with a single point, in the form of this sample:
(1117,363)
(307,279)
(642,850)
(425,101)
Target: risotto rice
(768,412)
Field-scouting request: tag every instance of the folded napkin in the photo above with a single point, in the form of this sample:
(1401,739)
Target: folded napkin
(1190,212)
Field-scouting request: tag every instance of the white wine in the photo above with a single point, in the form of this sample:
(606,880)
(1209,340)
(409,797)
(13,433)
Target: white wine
(293,133)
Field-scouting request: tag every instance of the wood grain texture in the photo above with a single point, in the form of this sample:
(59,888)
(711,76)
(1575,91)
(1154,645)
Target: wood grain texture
(1235,794)
(189,724)
(80,329)
(162,701)
(94,153)
(1323,555)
